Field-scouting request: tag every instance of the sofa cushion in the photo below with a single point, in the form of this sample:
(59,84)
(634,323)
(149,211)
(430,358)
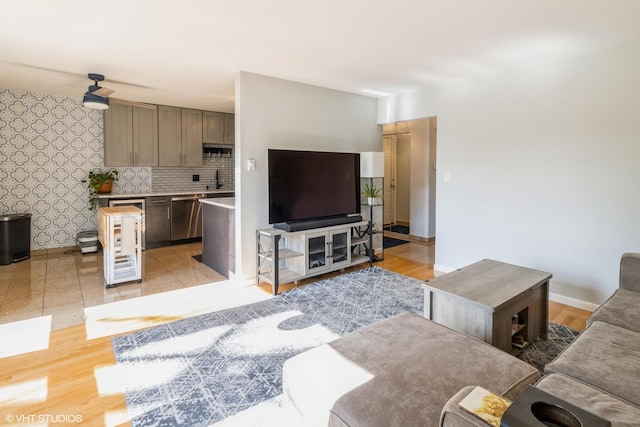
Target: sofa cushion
(619,412)
(604,356)
(622,309)
(405,369)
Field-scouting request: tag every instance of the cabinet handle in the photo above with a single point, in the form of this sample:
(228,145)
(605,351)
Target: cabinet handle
(169,212)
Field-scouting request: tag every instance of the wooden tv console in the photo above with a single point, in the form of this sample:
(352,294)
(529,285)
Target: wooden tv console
(284,257)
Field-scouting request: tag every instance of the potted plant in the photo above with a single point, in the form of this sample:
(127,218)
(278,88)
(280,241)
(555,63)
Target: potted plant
(98,183)
(372,193)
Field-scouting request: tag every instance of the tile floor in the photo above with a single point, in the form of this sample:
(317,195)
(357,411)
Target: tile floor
(64,284)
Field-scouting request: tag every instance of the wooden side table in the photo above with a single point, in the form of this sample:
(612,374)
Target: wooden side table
(481,300)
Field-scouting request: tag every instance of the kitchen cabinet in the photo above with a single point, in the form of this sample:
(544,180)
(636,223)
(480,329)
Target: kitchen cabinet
(157,221)
(230,129)
(218,235)
(218,128)
(130,135)
(191,137)
(169,136)
(145,135)
(179,143)
(118,135)
(213,127)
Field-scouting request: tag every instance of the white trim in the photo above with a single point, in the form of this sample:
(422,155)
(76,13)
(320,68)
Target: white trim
(442,269)
(573,302)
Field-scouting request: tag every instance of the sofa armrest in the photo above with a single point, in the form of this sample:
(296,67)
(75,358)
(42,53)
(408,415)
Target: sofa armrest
(454,416)
(630,272)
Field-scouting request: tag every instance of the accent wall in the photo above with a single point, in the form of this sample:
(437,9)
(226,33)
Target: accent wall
(48,144)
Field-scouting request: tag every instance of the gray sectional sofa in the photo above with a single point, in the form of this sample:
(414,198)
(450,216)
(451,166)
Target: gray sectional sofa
(409,371)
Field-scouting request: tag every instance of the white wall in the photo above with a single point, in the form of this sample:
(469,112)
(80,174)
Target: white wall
(544,167)
(274,113)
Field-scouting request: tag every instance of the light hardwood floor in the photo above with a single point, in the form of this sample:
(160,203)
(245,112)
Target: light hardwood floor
(63,379)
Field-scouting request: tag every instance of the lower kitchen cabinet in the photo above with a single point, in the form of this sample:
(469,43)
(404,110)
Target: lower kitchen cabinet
(218,236)
(158,221)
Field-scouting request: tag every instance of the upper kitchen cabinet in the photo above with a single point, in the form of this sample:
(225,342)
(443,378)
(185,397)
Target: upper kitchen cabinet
(145,135)
(230,129)
(218,128)
(180,139)
(169,136)
(191,137)
(130,135)
(212,127)
(118,135)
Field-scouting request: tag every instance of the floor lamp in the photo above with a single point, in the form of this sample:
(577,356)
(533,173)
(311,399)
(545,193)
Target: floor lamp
(371,166)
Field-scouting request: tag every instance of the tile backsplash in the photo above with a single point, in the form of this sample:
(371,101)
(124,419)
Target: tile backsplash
(49,143)
(181,179)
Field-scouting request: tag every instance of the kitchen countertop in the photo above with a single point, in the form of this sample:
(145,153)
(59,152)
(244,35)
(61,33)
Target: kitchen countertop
(159,193)
(223,202)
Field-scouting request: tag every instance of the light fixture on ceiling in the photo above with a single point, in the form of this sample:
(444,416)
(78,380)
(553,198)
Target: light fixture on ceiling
(96,96)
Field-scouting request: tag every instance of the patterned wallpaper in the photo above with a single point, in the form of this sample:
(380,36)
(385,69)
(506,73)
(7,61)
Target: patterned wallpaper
(48,144)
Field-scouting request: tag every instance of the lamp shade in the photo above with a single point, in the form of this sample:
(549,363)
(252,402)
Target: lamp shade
(94,101)
(371,164)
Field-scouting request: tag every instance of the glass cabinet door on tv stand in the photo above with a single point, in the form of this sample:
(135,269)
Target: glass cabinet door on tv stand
(326,250)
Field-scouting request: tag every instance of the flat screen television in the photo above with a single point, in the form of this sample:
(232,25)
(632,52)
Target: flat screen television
(312,185)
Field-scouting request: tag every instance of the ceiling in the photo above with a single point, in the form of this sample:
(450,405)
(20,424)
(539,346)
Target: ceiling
(187,53)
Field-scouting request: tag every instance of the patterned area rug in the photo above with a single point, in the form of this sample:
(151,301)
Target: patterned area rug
(200,370)
(205,369)
(541,352)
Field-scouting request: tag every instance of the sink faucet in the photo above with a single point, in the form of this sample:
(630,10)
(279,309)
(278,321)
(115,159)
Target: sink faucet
(218,185)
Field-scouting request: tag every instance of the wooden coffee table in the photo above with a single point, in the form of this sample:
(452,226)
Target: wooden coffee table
(482,298)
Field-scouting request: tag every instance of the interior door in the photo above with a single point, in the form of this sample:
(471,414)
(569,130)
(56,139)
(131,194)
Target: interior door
(389,144)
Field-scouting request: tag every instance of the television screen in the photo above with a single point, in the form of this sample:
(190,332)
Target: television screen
(305,185)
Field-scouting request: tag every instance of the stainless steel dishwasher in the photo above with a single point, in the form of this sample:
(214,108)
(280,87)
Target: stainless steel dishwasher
(186,217)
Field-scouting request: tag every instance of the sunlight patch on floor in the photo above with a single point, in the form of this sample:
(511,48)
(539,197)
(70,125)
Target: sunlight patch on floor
(24,393)
(273,412)
(118,379)
(129,315)
(320,391)
(188,344)
(116,418)
(25,336)
(264,335)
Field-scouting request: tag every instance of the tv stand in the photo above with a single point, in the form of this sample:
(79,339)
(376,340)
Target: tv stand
(290,256)
(316,223)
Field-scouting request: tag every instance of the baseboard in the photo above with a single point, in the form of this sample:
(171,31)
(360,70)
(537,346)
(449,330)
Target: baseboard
(573,302)
(442,269)
(562,299)
(422,239)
